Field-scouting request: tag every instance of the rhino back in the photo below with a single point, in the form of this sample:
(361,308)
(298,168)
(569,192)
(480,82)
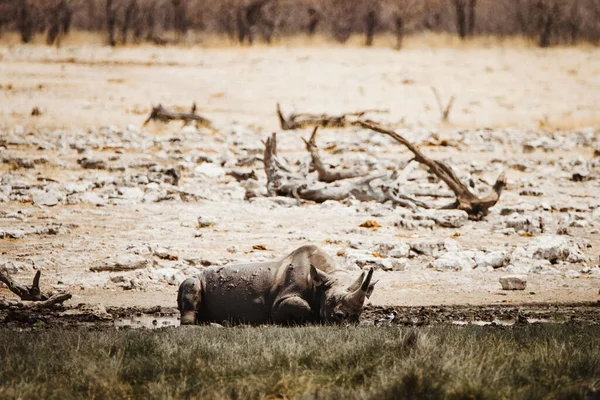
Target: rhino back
(238,293)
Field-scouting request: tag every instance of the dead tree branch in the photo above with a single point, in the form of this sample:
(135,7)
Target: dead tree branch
(465,199)
(326,174)
(300,121)
(33,292)
(282,182)
(159,113)
(444,111)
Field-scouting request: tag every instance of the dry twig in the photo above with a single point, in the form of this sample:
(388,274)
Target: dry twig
(159,113)
(444,111)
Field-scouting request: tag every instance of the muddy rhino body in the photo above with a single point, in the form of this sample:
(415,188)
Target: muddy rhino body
(295,289)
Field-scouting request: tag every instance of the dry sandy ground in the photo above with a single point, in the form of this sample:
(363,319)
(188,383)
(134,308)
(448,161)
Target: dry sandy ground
(81,89)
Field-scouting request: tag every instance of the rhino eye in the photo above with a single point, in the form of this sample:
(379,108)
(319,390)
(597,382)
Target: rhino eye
(339,316)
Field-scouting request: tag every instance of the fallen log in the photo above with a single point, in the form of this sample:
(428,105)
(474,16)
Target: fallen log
(326,174)
(465,199)
(300,121)
(33,292)
(159,113)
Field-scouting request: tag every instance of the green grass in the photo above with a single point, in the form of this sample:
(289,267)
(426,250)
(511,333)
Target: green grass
(442,362)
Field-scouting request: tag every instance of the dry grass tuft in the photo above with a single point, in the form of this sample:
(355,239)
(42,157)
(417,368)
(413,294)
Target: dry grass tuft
(532,361)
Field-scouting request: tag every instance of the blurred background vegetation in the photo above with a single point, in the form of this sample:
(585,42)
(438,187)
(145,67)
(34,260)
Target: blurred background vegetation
(118,22)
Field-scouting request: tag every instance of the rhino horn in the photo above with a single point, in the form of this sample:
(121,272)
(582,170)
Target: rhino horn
(357,283)
(359,294)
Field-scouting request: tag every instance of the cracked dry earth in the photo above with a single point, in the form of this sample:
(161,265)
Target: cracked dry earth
(118,214)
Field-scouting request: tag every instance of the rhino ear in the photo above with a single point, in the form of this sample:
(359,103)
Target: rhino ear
(370,289)
(318,277)
(354,287)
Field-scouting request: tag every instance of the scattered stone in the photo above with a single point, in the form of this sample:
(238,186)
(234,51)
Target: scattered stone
(555,248)
(450,218)
(209,170)
(46,198)
(165,254)
(232,249)
(205,222)
(123,263)
(88,163)
(525,223)
(399,251)
(370,224)
(572,274)
(455,261)
(171,275)
(513,282)
(434,248)
(362,259)
(12,234)
(494,259)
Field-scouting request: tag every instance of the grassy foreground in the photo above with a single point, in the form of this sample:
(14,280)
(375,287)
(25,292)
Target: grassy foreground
(442,362)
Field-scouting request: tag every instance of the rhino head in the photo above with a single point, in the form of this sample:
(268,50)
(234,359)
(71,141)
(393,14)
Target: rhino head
(341,302)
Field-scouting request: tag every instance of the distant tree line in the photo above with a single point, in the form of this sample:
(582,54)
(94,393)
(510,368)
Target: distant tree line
(546,22)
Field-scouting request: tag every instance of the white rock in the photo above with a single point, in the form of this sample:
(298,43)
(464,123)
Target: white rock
(131,193)
(399,251)
(210,170)
(494,259)
(460,261)
(171,275)
(513,282)
(93,198)
(46,198)
(555,248)
(572,274)
(363,259)
(434,248)
(524,223)
(450,218)
(205,222)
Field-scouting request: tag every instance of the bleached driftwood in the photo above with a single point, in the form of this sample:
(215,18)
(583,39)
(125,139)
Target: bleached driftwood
(300,121)
(326,174)
(465,199)
(33,292)
(281,181)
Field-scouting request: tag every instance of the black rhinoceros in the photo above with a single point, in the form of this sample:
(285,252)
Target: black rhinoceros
(303,287)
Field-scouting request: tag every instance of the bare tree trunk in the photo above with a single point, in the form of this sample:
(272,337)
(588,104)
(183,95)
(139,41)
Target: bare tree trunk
(471,17)
(461,18)
(180,17)
(242,26)
(128,20)
(547,21)
(399,23)
(314,17)
(150,18)
(111,20)
(371,24)
(25,21)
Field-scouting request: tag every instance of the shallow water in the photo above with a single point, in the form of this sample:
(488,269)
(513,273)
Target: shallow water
(149,321)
